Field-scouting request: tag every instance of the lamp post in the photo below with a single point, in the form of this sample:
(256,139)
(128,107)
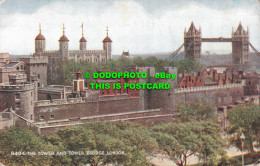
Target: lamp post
(242,137)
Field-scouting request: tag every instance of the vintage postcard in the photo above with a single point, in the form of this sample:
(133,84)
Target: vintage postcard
(129,82)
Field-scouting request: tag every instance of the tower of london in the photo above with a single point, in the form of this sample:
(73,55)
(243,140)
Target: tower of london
(55,57)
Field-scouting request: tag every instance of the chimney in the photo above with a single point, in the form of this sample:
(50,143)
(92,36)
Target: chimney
(78,75)
(220,80)
(184,73)
(240,74)
(214,75)
(233,77)
(226,79)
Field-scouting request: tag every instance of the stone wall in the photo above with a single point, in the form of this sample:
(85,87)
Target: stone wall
(18,97)
(163,98)
(6,120)
(75,110)
(216,95)
(36,66)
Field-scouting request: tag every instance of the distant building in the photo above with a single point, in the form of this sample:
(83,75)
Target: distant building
(125,54)
(10,67)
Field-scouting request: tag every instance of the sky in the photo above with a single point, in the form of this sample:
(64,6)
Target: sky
(140,26)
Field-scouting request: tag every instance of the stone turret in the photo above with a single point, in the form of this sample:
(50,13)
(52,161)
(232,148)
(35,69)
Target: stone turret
(240,45)
(192,42)
(82,41)
(64,46)
(107,47)
(39,42)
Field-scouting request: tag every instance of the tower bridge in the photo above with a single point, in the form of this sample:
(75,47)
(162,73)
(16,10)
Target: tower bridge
(191,48)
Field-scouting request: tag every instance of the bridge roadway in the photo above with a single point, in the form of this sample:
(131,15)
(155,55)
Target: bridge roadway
(220,39)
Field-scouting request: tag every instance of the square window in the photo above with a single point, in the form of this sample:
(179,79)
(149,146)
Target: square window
(52,117)
(17,105)
(17,96)
(41,117)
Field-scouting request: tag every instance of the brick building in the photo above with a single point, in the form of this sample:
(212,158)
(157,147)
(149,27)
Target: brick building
(209,77)
(11,67)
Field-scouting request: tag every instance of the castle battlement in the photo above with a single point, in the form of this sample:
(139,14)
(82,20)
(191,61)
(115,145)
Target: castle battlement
(205,88)
(51,51)
(20,87)
(58,102)
(35,59)
(86,51)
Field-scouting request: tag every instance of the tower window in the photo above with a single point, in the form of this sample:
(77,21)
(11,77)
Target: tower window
(38,75)
(17,96)
(17,105)
(41,117)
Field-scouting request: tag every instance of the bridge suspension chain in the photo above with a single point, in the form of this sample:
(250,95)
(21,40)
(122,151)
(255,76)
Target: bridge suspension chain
(178,54)
(255,50)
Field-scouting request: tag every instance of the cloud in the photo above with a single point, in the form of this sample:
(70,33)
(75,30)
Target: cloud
(131,26)
(1,1)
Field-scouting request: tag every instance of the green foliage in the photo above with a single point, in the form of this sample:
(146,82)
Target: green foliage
(17,142)
(178,140)
(244,119)
(181,140)
(190,66)
(199,110)
(134,140)
(125,64)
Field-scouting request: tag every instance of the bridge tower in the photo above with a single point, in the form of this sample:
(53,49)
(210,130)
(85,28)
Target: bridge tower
(192,43)
(240,45)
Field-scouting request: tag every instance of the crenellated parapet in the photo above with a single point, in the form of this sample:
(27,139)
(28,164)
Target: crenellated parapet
(20,87)
(206,88)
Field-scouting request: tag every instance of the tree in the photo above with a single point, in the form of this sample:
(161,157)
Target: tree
(20,146)
(198,110)
(133,139)
(190,66)
(182,140)
(244,119)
